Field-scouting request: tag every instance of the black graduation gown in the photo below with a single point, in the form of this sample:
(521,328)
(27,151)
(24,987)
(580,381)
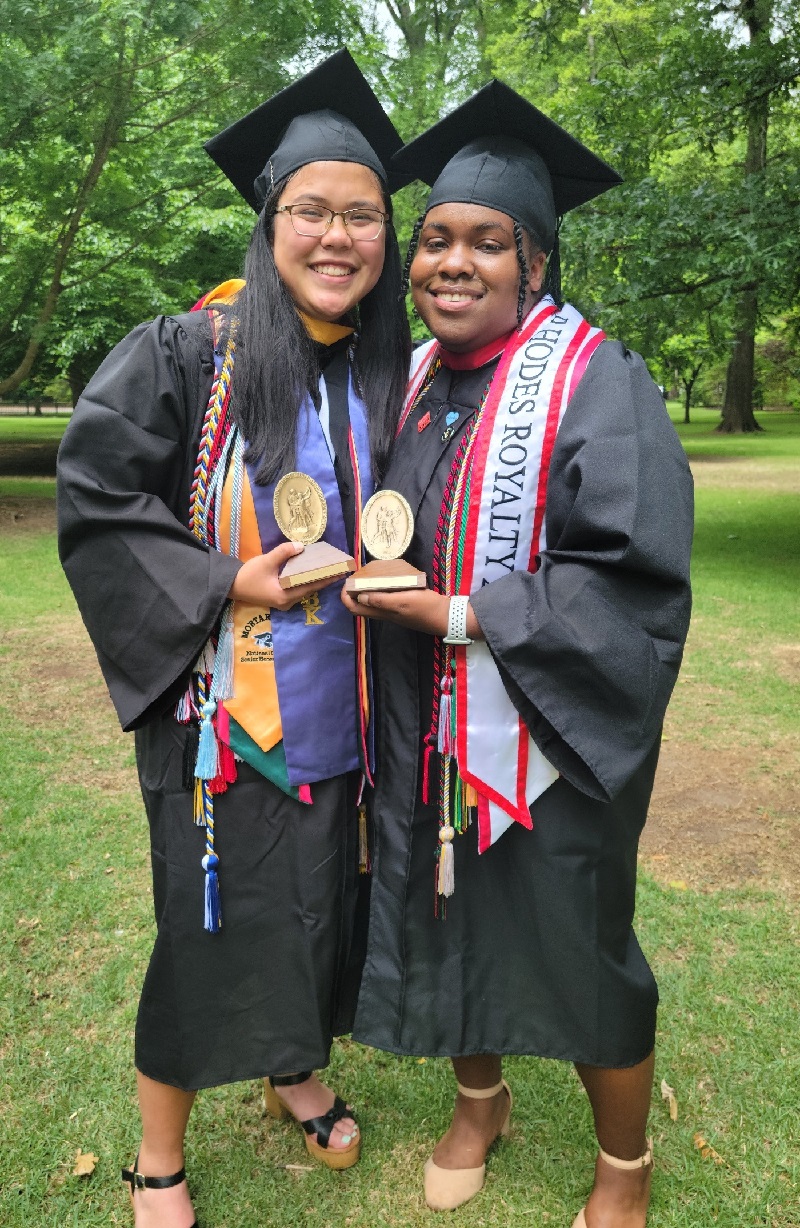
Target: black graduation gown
(266,994)
(537,954)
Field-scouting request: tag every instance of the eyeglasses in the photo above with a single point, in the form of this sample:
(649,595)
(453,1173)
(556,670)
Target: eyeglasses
(314,221)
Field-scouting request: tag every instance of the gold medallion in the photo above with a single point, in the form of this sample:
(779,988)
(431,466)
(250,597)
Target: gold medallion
(300,509)
(387,525)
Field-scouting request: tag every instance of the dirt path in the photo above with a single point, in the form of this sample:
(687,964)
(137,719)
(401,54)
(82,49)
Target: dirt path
(724,818)
(27,515)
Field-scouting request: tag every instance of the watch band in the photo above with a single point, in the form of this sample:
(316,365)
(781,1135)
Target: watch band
(457,622)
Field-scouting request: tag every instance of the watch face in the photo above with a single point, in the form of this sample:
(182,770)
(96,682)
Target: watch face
(387,525)
(300,509)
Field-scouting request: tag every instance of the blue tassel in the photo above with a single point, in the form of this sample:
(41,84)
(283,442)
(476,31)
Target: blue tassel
(213,914)
(207,766)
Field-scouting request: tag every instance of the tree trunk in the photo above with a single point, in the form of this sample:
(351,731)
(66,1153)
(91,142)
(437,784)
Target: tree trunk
(737,407)
(688,385)
(76,380)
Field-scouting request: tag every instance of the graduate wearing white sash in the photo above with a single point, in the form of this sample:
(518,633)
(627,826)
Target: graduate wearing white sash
(521,696)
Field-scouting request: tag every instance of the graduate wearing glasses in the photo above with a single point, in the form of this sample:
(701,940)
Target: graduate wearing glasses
(250,701)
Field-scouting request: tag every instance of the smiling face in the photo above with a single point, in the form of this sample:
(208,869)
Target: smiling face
(465,275)
(328,276)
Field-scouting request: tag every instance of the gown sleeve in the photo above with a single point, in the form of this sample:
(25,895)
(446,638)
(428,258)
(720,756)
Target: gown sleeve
(589,646)
(148,590)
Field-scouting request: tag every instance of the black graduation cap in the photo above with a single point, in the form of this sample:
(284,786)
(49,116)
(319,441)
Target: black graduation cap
(500,151)
(330,115)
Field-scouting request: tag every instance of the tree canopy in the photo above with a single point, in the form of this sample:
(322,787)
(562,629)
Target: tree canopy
(112,212)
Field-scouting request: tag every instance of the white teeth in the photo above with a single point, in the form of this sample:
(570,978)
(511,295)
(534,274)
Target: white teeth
(332,270)
(452,297)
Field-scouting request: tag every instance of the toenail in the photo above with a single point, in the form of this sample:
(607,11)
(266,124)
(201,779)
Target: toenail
(345,1139)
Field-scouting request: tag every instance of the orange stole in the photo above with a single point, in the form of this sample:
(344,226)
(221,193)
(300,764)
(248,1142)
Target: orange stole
(255,703)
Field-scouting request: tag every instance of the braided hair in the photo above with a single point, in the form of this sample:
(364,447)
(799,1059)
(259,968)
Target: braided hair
(523,274)
(411,253)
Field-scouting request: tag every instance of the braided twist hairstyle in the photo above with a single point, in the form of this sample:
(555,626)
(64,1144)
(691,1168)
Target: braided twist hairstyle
(523,274)
(411,253)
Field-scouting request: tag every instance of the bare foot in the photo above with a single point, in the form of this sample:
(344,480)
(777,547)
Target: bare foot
(314,1099)
(619,1199)
(171,1208)
(475,1126)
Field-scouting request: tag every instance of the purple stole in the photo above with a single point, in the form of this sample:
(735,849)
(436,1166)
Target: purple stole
(315,665)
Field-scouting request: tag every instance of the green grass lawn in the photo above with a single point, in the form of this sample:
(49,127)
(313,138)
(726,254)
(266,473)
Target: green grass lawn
(76,928)
(21,427)
(28,488)
(779,438)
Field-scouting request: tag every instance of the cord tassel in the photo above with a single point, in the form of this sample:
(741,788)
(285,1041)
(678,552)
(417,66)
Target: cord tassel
(444,737)
(183,708)
(364,866)
(207,766)
(190,747)
(205,662)
(222,682)
(446,884)
(199,808)
(426,770)
(212,920)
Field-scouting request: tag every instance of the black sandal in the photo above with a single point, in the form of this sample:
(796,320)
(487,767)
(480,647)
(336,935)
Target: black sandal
(337,1158)
(138,1181)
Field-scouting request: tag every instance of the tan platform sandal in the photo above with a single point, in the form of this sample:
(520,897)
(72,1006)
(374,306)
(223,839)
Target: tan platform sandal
(448,1188)
(625,1166)
(333,1157)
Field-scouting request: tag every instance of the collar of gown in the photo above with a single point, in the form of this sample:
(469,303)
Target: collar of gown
(475,358)
(323,331)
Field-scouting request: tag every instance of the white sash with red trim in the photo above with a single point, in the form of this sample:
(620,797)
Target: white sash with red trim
(537,375)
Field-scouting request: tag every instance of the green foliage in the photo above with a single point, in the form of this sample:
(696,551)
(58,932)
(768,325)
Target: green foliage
(663,90)
(112,212)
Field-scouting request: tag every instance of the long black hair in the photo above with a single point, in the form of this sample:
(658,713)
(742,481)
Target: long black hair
(277,362)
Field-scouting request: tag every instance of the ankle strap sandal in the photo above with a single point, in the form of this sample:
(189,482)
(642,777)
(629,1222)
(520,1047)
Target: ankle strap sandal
(629,1165)
(448,1188)
(642,1161)
(138,1181)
